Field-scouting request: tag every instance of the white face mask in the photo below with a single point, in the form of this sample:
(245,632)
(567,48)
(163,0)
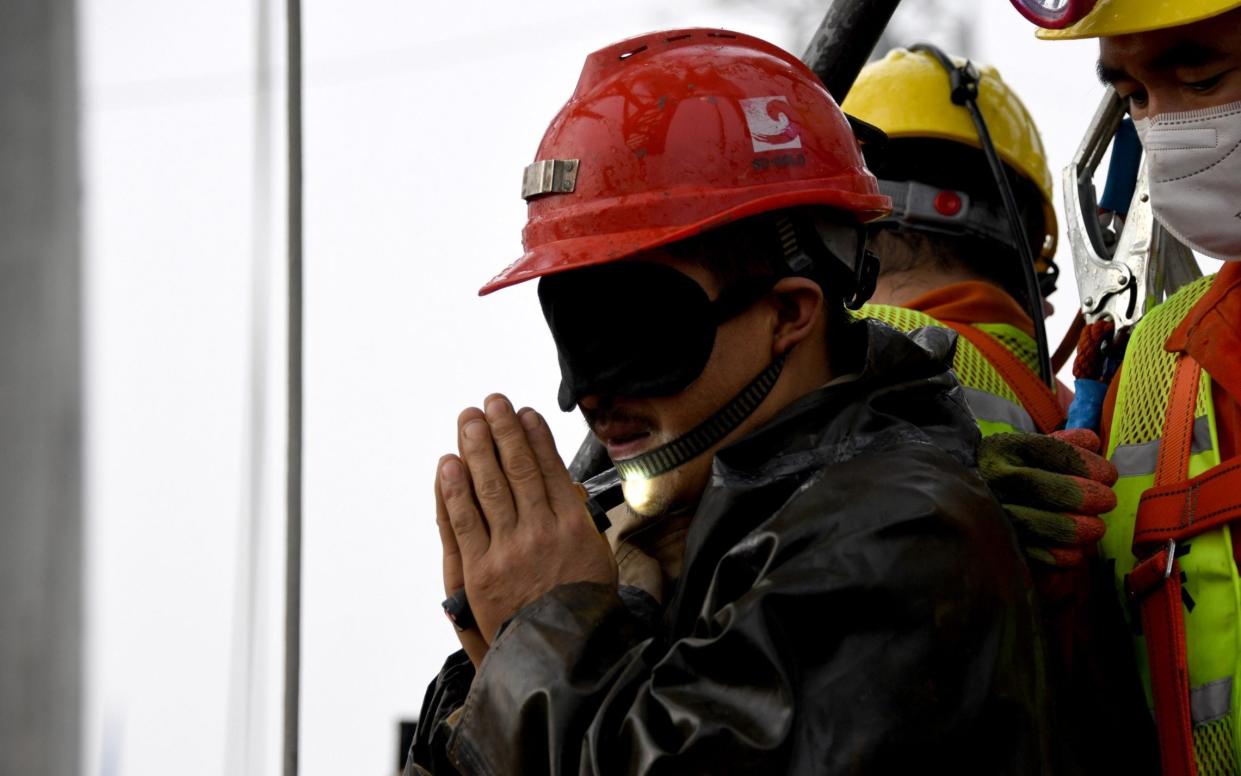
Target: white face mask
(1195,176)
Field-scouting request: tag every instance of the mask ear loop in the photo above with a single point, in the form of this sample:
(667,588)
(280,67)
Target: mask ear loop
(964,82)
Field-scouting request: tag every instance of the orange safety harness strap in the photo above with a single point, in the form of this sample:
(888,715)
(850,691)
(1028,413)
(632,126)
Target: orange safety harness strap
(1174,510)
(1037,399)
(1191,507)
(1155,583)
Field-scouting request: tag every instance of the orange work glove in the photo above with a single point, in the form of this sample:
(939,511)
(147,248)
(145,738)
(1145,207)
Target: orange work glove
(1053,488)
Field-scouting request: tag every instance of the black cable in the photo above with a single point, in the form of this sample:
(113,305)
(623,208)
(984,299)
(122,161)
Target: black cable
(963,81)
(844,41)
(293,481)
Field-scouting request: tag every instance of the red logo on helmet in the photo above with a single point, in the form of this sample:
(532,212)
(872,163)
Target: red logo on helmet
(771,129)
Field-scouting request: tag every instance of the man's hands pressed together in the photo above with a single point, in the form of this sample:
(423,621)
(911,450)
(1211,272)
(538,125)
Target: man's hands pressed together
(512,522)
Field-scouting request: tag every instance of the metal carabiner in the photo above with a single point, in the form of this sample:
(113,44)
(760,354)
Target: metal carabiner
(1147,264)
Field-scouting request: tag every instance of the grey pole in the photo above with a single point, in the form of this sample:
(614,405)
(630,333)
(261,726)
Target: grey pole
(293,484)
(40,392)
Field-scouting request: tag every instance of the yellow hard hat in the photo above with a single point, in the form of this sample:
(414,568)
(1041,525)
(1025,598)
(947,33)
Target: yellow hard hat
(1122,17)
(907,94)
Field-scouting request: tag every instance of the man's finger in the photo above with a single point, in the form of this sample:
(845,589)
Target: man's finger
(565,497)
(1080,437)
(521,469)
(1046,490)
(1041,527)
(1090,529)
(1068,556)
(467,526)
(454,571)
(1072,452)
(1049,454)
(491,487)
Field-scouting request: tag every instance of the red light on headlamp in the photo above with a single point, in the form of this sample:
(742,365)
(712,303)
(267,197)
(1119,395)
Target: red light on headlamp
(947,203)
(1054,14)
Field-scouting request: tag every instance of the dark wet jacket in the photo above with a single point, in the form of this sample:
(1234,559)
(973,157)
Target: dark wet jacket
(852,601)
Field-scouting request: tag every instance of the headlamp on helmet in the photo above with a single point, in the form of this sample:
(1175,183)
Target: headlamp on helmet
(1054,14)
(1074,19)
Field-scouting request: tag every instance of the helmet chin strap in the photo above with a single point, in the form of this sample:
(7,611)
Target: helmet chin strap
(706,434)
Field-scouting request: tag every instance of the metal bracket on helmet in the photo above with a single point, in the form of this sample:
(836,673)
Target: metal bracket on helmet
(1147,262)
(549,176)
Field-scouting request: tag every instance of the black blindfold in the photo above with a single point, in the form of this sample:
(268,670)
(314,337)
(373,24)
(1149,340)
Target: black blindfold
(635,328)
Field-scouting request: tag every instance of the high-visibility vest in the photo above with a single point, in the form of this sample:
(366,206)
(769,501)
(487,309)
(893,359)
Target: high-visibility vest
(994,382)
(1211,589)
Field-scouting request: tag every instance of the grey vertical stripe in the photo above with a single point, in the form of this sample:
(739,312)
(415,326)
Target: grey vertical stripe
(1211,701)
(1140,459)
(988,406)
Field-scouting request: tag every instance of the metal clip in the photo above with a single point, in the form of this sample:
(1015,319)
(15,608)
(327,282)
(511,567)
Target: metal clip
(1146,265)
(1167,570)
(549,176)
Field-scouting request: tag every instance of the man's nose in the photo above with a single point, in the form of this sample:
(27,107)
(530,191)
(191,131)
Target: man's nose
(589,403)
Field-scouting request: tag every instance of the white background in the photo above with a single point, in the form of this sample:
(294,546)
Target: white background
(419,119)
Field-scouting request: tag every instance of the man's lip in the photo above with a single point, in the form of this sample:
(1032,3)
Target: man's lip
(623,438)
(620,448)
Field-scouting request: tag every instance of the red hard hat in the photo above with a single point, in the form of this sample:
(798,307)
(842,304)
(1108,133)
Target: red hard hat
(673,133)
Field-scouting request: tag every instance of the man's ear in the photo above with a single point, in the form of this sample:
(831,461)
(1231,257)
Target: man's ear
(799,312)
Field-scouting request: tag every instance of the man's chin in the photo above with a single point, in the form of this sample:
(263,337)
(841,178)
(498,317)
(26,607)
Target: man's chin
(645,497)
(676,491)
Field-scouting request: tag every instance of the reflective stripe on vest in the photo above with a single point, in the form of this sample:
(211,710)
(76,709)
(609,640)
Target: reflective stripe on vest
(1211,701)
(1212,589)
(998,412)
(1140,459)
(995,405)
